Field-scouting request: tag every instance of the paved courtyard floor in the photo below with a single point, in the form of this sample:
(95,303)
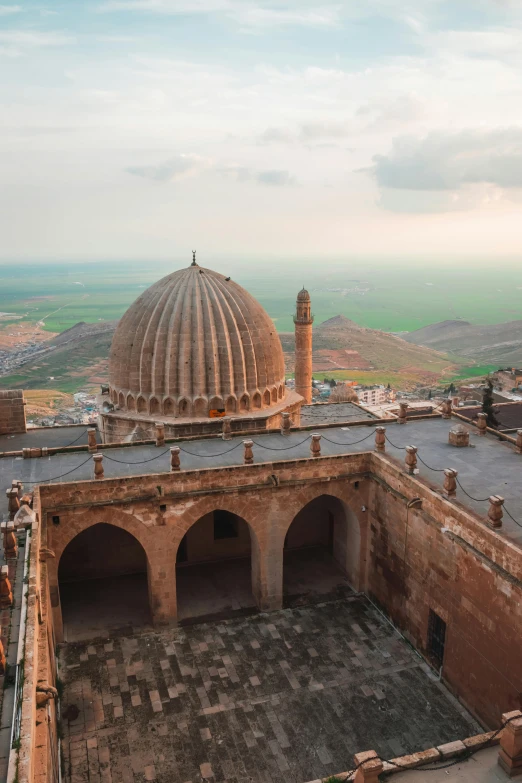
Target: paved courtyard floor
(285,696)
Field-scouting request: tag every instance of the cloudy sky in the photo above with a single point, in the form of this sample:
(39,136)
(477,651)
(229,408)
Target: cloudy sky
(143,128)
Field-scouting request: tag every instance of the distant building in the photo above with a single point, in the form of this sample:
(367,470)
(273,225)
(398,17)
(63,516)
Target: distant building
(373,395)
(508,379)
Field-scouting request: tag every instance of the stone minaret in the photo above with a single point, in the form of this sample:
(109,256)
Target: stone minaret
(303,320)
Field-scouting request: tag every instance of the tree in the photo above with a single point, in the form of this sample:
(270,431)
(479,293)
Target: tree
(333,383)
(429,394)
(343,393)
(487,405)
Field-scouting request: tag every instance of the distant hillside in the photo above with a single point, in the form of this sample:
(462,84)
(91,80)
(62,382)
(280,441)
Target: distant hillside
(491,344)
(341,344)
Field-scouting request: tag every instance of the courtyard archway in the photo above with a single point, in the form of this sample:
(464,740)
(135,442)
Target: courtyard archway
(213,567)
(103,583)
(321,549)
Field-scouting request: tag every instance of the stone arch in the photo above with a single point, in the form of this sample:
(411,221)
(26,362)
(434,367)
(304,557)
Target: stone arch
(121,400)
(131,404)
(231,404)
(154,405)
(273,394)
(184,407)
(266,398)
(256,401)
(200,407)
(169,407)
(216,404)
(114,396)
(141,404)
(244,403)
(281,391)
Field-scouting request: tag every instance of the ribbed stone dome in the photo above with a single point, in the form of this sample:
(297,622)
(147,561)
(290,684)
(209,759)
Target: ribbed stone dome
(303,295)
(195,341)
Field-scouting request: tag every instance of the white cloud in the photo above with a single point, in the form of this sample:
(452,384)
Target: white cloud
(171,170)
(6,10)
(14,43)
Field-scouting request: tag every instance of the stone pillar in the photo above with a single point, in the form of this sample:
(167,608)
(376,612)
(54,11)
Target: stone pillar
(495,512)
(13,501)
(450,482)
(380,439)
(17,484)
(519,441)
(249,454)
(403,409)
(267,555)
(369,767)
(91,439)
(227,430)
(510,755)
(303,320)
(98,466)
(2,659)
(6,593)
(10,542)
(446,409)
(160,433)
(411,459)
(286,423)
(455,402)
(482,423)
(315,446)
(175,462)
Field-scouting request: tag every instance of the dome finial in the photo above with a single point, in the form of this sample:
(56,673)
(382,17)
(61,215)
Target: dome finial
(193,258)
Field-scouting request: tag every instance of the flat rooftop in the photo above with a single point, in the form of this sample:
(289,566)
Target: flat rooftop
(331,413)
(483,767)
(289,696)
(489,467)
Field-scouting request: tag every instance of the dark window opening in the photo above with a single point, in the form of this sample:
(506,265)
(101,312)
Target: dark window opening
(436,638)
(163,507)
(56,520)
(356,485)
(225,525)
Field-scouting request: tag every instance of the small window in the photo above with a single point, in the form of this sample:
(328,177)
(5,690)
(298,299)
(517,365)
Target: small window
(225,525)
(163,507)
(56,520)
(436,638)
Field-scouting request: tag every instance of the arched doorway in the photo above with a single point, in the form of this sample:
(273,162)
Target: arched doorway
(213,567)
(102,576)
(321,550)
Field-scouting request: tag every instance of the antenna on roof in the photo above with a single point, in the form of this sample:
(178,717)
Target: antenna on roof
(193,258)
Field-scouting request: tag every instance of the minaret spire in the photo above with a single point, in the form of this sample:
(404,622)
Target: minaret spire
(303,320)
(193,258)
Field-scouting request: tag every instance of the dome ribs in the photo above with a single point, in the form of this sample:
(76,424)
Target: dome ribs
(199,375)
(236,348)
(225,366)
(149,344)
(160,379)
(213,381)
(173,338)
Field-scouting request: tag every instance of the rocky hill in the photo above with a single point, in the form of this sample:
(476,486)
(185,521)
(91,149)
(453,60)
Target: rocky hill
(490,344)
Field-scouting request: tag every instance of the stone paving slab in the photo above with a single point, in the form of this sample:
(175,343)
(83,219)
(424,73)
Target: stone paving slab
(288,696)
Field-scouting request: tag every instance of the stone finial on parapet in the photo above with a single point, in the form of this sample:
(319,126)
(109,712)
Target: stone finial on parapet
(495,512)
(411,459)
(380,439)
(6,593)
(482,423)
(91,439)
(455,402)
(315,446)
(98,466)
(13,501)
(249,454)
(17,484)
(175,462)
(226,432)
(369,767)
(160,433)
(510,754)
(519,441)
(286,423)
(403,413)
(9,540)
(446,409)
(450,482)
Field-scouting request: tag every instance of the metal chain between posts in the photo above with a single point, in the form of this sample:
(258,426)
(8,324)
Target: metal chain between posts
(209,456)
(55,478)
(140,462)
(353,443)
(282,448)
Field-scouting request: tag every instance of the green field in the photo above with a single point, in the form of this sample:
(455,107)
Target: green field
(390,297)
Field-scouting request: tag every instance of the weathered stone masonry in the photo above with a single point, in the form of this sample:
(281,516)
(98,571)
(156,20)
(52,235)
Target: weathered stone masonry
(12,412)
(432,555)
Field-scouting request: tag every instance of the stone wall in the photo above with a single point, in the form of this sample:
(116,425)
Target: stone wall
(12,412)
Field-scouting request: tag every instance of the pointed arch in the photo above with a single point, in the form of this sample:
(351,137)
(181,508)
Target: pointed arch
(141,404)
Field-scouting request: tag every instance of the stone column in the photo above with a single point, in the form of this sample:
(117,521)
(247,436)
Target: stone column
(175,462)
(482,423)
(249,454)
(510,755)
(286,423)
(369,767)
(315,446)
(450,482)
(6,593)
(13,502)
(411,459)
(380,439)
(267,556)
(91,439)
(303,320)
(519,441)
(227,430)
(446,409)
(495,512)
(10,542)
(403,409)
(160,433)
(98,466)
